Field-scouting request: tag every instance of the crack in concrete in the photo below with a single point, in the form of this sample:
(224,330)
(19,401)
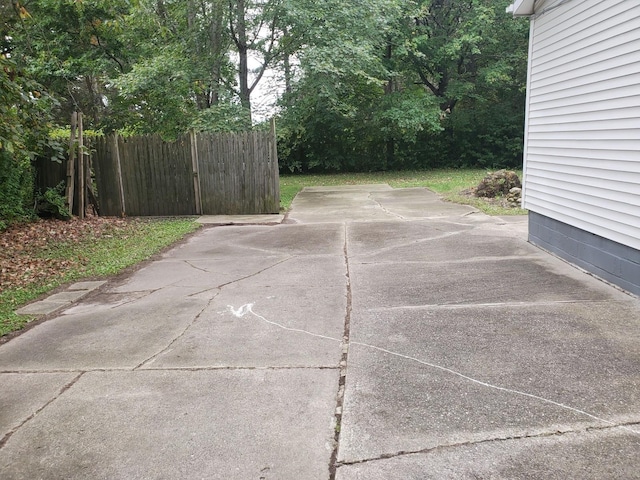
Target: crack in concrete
(410,244)
(67,386)
(221,286)
(196,267)
(506,438)
(343,362)
(385,210)
(184,331)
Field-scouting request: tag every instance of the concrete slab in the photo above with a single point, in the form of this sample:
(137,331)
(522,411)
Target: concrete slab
(588,455)
(113,338)
(240,219)
(67,297)
(366,203)
(52,303)
(421,378)
(267,271)
(202,274)
(410,284)
(87,285)
(370,187)
(59,300)
(338,205)
(413,203)
(42,307)
(206,424)
(23,395)
(104,301)
(284,328)
(432,241)
(285,303)
(241,242)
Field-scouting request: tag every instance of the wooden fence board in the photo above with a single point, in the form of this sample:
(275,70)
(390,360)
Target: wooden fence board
(49,173)
(234,174)
(106,170)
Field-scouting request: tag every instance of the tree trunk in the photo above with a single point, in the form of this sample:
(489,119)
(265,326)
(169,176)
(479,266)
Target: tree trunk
(216,39)
(389,88)
(243,54)
(391,151)
(287,67)
(195,48)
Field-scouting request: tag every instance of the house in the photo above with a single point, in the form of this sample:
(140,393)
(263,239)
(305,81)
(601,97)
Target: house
(582,134)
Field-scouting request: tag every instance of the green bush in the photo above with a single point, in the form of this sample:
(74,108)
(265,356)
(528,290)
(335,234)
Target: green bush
(16,189)
(52,203)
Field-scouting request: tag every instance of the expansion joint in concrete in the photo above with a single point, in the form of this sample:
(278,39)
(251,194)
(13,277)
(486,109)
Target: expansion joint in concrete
(343,362)
(239,368)
(67,386)
(65,370)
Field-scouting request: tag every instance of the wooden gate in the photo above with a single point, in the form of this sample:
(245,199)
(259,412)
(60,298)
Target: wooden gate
(208,174)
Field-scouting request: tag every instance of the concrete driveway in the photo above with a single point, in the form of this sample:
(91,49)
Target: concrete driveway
(376,334)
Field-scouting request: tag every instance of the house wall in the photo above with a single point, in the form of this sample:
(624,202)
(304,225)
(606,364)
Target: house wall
(582,137)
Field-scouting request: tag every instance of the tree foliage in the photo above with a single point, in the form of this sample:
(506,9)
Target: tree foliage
(25,120)
(444,87)
(362,84)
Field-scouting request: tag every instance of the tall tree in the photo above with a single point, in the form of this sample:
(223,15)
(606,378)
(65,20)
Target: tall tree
(25,118)
(73,48)
(449,44)
(255,28)
(403,82)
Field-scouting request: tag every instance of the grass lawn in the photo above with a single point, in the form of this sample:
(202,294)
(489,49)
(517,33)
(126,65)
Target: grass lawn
(449,183)
(36,258)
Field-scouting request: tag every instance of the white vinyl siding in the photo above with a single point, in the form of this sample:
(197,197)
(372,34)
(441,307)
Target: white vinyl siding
(582,139)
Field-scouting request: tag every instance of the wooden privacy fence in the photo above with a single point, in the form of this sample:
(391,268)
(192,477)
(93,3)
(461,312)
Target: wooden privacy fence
(198,174)
(73,171)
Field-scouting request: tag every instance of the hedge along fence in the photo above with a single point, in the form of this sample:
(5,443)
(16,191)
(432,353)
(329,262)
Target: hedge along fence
(208,174)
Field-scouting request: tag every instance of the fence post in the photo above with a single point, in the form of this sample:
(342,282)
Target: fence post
(81,179)
(196,171)
(123,211)
(71,165)
(275,167)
